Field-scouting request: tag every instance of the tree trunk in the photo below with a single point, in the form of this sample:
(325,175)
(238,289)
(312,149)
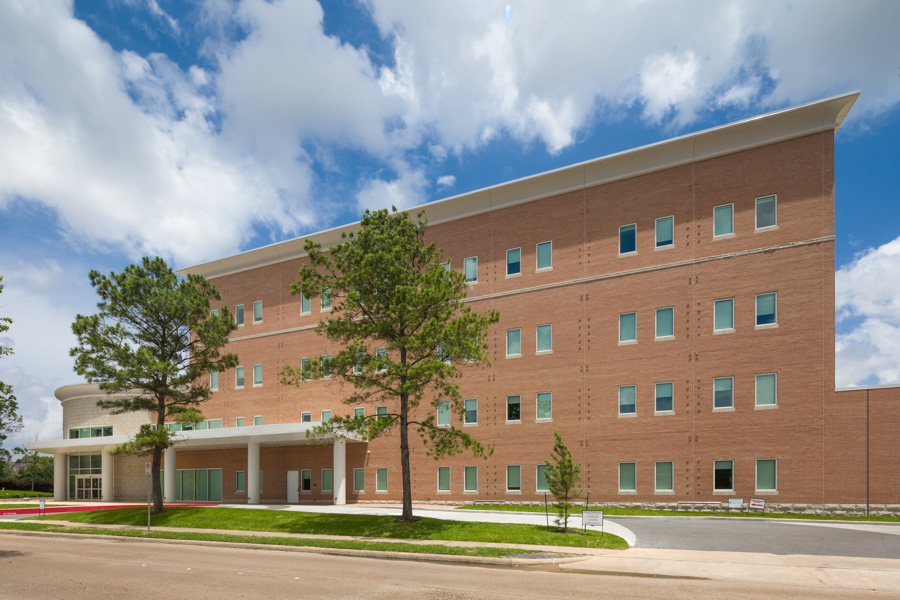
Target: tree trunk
(407,515)
(155,483)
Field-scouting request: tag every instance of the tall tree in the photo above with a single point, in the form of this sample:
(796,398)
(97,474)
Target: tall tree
(35,466)
(563,474)
(400,317)
(153,335)
(10,421)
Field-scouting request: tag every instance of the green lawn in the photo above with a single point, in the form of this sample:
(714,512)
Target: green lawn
(349,525)
(23,505)
(21,494)
(609,511)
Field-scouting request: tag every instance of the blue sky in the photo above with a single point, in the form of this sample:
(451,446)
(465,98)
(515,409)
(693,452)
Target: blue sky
(193,129)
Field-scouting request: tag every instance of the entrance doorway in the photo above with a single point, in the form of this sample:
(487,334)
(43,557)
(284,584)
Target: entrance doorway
(88,488)
(293,487)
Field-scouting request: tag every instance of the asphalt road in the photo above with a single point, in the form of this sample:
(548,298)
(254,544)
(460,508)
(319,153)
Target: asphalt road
(71,568)
(862,539)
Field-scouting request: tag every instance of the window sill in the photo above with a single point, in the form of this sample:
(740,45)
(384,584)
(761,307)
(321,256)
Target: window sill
(664,338)
(511,275)
(627,342)
(724,236)
(513,356)
(664,493)
(542,352)
(765,492)
(325,309)
(723,331)
(624,254)
(470,424)
(473,282)
(628,492)
(514,492)
(443,492)
(723,492)
(765,407)
(768,326)
(238,387)
(765,229)
(519,422)
(665,247)
(303,314)
(723,409)
(470,492)
(663,413)
(627,415)
(256,385)
(543,269)
(381,491)
(550,420)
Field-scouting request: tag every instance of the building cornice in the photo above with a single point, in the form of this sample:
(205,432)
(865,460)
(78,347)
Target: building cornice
(770,128)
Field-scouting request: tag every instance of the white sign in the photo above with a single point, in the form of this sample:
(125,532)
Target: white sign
(758,503)
(42,501)
(592,518)
(147,467)
(736,503)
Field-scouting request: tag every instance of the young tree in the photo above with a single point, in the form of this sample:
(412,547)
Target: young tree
(400,316)
(563,474)
(153,335)
(37,467)
(10,421)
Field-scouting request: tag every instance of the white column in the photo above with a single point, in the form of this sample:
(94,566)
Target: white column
(60,481)
(339,472)
(107,476)
(169,470)
(252,472)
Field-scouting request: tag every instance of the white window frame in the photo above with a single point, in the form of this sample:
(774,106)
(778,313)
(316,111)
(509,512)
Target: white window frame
(656,410)
(465,260)
(619,240)
(326,358)
(255,320)
(242,379)
(302,491)
(306,416)
(449,480)
(537,404)
(381,411)
(322,296)
(519,353)
(537,337)
(379,354)
(656,245)
(519,396)
(722,236)
(323,419)
(656,335)
(466,421)
(239,310)
(237,481)
(330,487)
(756,226)
(756,404)
(723,408)
(466,489)
(255,384)
(508,489)
(257,418)
(361,410)
(537,478)
(619,483)
(634,339)
(656,489)
(733,477)
(508,250)
(361,490)
(756,475)
(307,301)
(239,421)
(214,381)
(378,490)
(619,400)
(733,317)
(438,417)
(538,268)
(773,324)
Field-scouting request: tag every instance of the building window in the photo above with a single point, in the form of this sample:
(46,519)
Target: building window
(766,212)
(326,416)
(724,315)
(443,479)
(471,479)
(723,390)
(513,342)
(513,261)
(766,305)
(544,256)
(513,478)
(664,401)
(545,338)
(93,432)
(214,312)
(306,417)
(239,377)
(359,480)
(627,394)
(513,409)
(627,479)
(766,475)
(381,412)
(257,311)
(542,484)
(665,322)
(628,327)
(470,268)
(214,381)
(381,354)
(471,416)
(305,480)
(767,389)
(359,412)
(359,364)
(239,314)
(544,406)
(665,232)
(443,416)
(305,304)
(446,265)
(240,484)
(665,479)
(239,422)
(628,238)
(723,220)
(257,375)
(326,480)
(723,479)
(381,480)
(257,420)
(326,366)
(326,299)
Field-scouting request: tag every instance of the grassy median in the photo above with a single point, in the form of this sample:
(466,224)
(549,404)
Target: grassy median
(366,526)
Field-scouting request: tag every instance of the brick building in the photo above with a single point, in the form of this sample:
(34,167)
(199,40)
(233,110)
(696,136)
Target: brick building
(668,309)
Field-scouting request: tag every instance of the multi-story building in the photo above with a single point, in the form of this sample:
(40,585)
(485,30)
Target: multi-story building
(668,309)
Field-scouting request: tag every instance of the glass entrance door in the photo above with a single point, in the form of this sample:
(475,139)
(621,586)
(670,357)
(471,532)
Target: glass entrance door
(88,488)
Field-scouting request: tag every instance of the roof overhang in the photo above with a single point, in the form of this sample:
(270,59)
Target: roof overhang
(778,126)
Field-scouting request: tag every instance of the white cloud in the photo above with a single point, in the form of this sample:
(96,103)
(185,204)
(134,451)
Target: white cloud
(446,181)
(868,303)
(402,192)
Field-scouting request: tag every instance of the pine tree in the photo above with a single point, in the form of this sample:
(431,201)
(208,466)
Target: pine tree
(563,474)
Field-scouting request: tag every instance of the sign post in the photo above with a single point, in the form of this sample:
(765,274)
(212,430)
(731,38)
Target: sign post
(42,509)
(148,469)
(592,518)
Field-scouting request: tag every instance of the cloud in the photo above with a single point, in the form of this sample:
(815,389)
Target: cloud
(868,311)
(446,181)
(408,189)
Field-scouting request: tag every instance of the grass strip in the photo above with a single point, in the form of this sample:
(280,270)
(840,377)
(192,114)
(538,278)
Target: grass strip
(480,551)
(4,505)
(22,494)
(347,525)
(609,511)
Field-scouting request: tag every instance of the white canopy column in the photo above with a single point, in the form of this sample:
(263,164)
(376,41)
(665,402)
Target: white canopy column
(253,473)
(107,476)
(339,485)
(169,472)
(59,475)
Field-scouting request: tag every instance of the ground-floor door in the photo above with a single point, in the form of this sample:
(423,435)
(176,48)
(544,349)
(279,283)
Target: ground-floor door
(88,488)
(293,487)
